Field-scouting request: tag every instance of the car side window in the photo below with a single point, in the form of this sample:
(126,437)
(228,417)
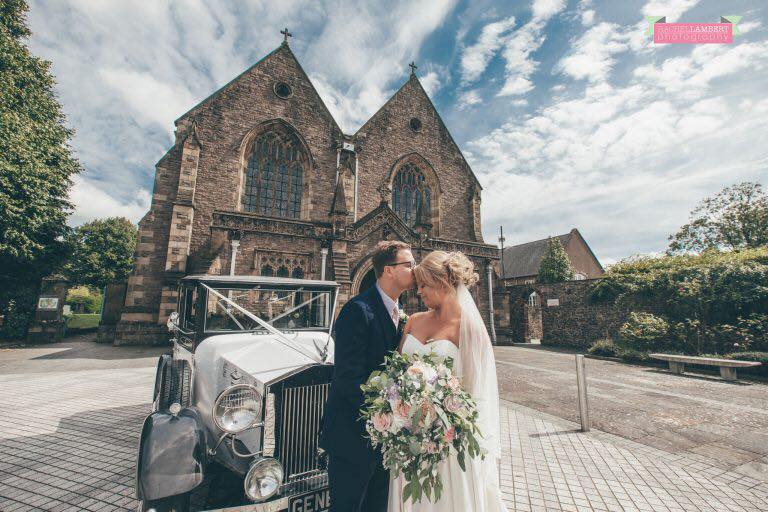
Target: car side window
(190,304)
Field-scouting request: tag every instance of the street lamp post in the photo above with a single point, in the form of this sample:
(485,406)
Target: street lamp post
(501,259)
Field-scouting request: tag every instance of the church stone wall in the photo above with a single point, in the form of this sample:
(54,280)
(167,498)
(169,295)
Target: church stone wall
(387,137)
(196,212)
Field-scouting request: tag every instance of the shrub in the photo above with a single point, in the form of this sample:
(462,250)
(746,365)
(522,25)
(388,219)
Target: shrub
(83,300)
(604,348)
(18,308)
(633,356)
(645,332)
(760,357)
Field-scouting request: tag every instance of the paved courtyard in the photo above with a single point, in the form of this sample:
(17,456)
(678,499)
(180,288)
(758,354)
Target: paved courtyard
(72,414)
(724,424)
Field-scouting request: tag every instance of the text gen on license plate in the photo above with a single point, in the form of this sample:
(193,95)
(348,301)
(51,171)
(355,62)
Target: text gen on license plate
(315,501)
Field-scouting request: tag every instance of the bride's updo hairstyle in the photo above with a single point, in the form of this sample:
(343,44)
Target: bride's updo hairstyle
(441,269)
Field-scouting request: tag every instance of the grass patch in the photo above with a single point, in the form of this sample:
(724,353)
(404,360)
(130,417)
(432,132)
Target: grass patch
(83,321)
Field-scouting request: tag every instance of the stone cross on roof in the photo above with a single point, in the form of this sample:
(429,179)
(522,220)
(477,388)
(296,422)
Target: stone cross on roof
(286,35)
(413,67)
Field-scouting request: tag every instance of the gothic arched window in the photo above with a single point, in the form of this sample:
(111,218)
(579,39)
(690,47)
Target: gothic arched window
(297,273)
(282,271)
(409,191)
(267,270)
(274,175)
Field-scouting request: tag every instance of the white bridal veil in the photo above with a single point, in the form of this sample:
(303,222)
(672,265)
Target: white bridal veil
(478,373)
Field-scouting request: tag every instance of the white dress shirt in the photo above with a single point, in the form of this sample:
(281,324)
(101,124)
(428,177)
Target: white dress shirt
(390,305)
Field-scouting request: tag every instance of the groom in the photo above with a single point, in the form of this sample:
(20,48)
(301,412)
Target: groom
(365,331)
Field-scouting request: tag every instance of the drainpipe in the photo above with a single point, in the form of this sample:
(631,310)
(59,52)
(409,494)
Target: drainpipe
(490,301)
(356,188)
(235,244)
(324,252)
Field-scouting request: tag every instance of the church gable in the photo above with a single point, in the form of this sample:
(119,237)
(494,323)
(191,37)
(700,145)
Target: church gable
(408,131)
(278,67)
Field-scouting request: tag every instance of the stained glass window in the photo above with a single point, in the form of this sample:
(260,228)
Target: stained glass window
(274,175)
(409,190)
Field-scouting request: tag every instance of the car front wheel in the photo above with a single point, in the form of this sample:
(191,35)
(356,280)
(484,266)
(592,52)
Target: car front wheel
(178,503)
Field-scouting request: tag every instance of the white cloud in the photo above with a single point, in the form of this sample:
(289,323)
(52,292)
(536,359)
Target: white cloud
(431,83)
(587,17)
(469,98)
(545,9)
(151,100)
(592,54)
(672,9)
(93,202)
(355,62)
(648,150)
(522,44)
(749,26)
(475,58)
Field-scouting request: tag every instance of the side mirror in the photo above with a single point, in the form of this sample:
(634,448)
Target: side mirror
(173,322)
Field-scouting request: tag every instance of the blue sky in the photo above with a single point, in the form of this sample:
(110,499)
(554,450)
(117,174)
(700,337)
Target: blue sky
(569,115)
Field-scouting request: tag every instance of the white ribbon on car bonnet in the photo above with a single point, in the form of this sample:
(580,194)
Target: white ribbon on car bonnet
(279,335)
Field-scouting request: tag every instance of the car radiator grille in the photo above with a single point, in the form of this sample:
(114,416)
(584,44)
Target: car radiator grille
(302,409)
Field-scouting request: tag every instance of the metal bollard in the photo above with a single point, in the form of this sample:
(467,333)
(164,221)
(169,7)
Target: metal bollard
(581,384)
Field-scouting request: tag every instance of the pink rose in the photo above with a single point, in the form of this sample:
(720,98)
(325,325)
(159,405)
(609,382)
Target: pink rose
(415,370)
(401,409)
(427,412)
(382,422)
(452,404)
(450,434)
(454,383)
(429,447)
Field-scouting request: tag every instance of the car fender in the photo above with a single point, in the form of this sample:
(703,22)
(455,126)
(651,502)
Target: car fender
(172,454)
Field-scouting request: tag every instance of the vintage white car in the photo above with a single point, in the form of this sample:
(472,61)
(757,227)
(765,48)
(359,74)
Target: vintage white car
(238,402)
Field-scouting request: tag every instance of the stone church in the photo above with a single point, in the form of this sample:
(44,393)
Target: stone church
(262,181)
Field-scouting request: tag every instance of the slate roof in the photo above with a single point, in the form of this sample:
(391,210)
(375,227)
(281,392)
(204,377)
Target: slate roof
(524,259)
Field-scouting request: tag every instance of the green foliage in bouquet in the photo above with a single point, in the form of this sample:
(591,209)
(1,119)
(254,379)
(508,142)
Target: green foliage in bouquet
(417,412)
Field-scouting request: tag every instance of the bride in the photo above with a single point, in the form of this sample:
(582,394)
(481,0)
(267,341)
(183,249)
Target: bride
(454,328)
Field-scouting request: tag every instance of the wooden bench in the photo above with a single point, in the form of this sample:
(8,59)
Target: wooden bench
(727,366)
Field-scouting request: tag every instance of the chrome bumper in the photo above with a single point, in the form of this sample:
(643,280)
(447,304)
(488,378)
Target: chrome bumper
(291,502)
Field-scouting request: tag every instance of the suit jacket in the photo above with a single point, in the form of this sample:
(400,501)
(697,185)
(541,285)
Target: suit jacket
(363,335)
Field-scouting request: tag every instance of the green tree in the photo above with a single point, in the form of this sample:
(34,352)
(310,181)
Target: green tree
(102,252)
(83,300)
(734,218)
(555,265)
(36,169)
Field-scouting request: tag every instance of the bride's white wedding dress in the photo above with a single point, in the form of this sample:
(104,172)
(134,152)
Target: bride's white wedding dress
(474,490)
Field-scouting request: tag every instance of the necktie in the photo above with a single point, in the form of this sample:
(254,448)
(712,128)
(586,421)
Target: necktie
(395,314)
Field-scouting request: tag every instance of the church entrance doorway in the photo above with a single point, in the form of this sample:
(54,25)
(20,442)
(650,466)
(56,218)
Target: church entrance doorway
(369,279)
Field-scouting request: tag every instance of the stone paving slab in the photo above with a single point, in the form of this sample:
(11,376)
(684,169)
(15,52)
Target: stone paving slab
(548,464)
(68,442)
(723,424)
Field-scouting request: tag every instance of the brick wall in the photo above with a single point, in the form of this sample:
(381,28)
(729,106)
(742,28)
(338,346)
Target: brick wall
(575,321)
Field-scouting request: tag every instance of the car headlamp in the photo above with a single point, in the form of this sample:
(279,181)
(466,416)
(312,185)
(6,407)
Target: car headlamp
(237,408)
(263,479)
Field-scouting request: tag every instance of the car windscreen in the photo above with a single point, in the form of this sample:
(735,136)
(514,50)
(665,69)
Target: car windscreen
(295,309)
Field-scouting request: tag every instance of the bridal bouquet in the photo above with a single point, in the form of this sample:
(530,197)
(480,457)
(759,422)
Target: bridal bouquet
(416,410)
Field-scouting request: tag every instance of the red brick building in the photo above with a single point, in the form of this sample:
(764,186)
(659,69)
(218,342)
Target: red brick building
(262,181)
(521,262)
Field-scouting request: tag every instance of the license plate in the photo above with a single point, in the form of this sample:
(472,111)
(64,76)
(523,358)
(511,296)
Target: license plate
(314,501)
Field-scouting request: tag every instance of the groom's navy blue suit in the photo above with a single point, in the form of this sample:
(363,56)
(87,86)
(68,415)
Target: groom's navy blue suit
(364,334)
